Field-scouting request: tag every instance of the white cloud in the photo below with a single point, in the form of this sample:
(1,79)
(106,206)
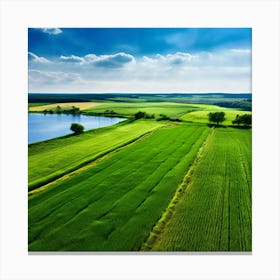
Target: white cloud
(72,58)
(244,51)
(114,61)
(52,77)
(35,58)
(107,61)
(224,71)
(51,31)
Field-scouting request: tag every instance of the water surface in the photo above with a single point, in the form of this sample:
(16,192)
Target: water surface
(47,126)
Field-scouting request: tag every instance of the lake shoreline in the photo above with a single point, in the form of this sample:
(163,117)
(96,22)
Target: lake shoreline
(48,126)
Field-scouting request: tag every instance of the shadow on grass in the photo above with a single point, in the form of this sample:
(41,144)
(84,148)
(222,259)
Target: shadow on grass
(226,126)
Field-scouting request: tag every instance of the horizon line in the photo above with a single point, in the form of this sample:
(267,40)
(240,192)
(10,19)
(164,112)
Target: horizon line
(139,92)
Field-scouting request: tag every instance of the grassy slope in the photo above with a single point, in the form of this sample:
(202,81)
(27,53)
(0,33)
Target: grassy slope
(113,205)
(50,159)
(214,213)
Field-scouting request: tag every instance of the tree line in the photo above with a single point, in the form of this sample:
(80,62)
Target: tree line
(58,110)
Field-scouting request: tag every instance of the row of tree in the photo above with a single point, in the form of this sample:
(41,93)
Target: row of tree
(219,117)
(58,110)
(162,117)
(143,115)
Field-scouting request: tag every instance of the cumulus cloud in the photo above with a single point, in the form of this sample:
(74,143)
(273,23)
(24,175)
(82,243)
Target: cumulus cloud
(220,71)
(111,61)
(233,57)
(176,58)
(35,58)
(114,61)
(51,31)
(37,77)
(72,58)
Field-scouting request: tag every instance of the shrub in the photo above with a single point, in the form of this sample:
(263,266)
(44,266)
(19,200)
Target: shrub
(143,115)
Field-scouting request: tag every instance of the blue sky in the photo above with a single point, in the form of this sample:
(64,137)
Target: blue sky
(139,60)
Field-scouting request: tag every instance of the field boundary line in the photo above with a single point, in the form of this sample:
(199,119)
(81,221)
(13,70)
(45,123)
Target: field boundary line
(95,160)
(168,213)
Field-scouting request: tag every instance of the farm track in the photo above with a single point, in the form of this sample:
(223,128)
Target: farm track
(168,213)
(93,211)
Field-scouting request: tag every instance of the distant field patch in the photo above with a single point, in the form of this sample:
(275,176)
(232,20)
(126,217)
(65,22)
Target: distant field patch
(202,116)
(113,205)
(126,109)
(215,212)
(64,106)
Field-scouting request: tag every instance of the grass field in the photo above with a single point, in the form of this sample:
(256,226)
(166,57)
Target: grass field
(214,213)
(113,205)
(51,159)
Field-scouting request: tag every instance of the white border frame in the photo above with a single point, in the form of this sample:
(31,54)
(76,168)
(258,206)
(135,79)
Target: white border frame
(262,16)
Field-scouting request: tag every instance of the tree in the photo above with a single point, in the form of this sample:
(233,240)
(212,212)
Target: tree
(77,128)
(245,119)
(74,110)
(237,120)
(139,115)
(216,117)
(58,109)
(143,115)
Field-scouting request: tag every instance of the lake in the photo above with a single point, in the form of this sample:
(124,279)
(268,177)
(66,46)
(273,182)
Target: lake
(47,126)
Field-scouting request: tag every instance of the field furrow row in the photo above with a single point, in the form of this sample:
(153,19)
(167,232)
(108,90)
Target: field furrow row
(214,213)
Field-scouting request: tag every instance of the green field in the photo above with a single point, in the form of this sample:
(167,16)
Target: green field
(49,160)
(142,184)
(113,205)
(214,213)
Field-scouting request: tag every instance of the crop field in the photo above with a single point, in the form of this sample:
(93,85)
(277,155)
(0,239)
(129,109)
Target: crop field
(142,185)
(114,204)
(51,159)
(214,213)
(64,106)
